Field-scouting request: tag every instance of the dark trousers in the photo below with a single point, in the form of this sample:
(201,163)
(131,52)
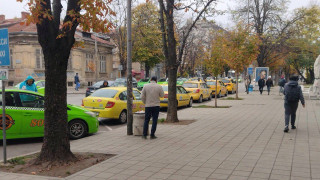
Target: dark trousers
(290,110)
(154,113)
(261,89)
(268,88)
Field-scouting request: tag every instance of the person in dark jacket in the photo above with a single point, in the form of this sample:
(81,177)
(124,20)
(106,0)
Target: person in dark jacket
(261,84)
(293,94)
(77,82)
(269,84)
(282,82)
(105,84)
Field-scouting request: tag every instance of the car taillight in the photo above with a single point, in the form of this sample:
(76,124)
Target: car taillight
(165,95)
(196,91)
(82,103)
(110,104)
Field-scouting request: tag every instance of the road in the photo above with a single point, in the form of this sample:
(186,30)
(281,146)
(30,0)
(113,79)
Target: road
(16,147)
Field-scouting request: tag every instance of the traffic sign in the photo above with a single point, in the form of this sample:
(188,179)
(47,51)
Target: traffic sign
(4,48)
(250,70)
(4,73)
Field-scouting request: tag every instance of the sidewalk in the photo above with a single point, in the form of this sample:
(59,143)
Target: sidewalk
(245,141)
(71,90)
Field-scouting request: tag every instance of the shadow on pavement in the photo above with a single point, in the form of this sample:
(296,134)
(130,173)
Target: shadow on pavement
(22,141)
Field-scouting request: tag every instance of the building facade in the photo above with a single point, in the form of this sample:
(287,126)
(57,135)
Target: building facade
(92,58)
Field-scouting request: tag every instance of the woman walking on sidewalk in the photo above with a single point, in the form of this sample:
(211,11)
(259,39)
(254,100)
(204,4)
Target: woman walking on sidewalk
(269,84)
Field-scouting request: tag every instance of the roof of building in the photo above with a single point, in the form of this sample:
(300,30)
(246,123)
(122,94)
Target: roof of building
(15,26)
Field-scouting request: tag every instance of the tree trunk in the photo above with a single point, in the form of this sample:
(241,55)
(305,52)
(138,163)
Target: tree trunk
(147,67)
(215,94)
(237,77)
(311,73)
(56,145)
(172,115)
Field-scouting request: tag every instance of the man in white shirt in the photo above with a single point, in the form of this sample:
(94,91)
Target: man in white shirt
(151,94)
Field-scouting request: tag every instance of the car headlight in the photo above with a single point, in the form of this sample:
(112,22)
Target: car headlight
(92,114)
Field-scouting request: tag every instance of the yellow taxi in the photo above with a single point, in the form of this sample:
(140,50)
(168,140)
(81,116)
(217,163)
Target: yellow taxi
(183,98)
(231,86)
(111,102)
(198,90)
(221,88)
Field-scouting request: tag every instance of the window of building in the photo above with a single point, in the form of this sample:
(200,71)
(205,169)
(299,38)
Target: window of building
(103,64)
(11,59)
(39,59)
(90,66)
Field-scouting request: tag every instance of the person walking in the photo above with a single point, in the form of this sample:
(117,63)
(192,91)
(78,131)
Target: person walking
(105,84)
(28,84)
(269,84)
(293,94)
(247,83)
(77,82)
(261,84)
(150,96)
(281,84)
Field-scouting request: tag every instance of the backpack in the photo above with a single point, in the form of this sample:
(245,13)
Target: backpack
(293,94)
(282,82)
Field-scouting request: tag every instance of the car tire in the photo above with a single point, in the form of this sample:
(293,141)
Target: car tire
(77,129)
(200,99)
(219,95)
(190,102)
(123,117)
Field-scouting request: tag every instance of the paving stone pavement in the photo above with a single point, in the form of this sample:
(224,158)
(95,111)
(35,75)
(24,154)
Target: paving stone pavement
(245,141)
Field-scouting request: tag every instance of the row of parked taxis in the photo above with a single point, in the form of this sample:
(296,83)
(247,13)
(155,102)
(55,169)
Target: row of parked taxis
(111,102)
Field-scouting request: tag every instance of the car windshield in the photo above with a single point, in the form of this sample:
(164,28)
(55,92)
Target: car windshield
(165,88)
(144,80)
(225,81)
(106,93)
(211,82)
(98,84)
(190,85)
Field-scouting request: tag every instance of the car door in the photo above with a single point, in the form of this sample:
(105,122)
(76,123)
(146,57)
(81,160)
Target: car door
(223,88)
(14,116)
(185,96)
(33,113)
(179,97)
(122,102)
(137,102)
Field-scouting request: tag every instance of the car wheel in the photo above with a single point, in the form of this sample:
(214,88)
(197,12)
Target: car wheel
(219,95)
(190,102)
(200,99)
(123,117)
(77,129)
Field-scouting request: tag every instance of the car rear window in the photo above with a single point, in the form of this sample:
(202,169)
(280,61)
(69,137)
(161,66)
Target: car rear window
(165,88)
(144,80)
(162,80)
(211,82)
(225,81)
(190,85)
(98,84)
(106,93)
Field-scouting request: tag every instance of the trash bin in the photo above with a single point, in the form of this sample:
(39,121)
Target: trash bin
(250,88)
(138,122)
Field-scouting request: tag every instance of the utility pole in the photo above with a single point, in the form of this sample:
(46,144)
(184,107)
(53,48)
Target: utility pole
(129,72)
(96,56)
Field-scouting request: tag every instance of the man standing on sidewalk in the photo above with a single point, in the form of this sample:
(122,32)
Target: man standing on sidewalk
(151,94)
(293,94)
(77,82)
(269,84)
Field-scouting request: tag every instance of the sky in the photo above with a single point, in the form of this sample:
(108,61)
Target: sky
(12,8)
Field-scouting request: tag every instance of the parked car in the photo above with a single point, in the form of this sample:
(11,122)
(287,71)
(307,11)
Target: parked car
(25,116)
(111,103)
(180,81)
(231,86)
(198,90)
(221,88)
(96,86)
(163,81)
(142,82)
(122,82)
(183,97)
